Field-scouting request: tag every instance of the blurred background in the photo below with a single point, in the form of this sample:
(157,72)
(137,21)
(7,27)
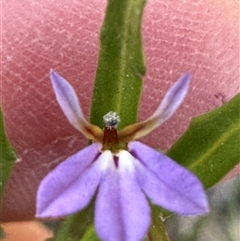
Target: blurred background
(223,222)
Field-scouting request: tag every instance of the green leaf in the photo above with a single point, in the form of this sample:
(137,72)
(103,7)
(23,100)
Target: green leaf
(157,230)
(210,147)
(74,227)
(7,160)
(120,67)
(90,235)
(7,157)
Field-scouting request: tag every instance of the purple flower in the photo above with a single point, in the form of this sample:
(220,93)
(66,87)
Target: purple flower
(122,171)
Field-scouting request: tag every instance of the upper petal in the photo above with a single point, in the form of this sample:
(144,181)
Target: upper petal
(69,103)
(67,99)
(171,100)
(70,186)
(122,212)
(167,183)
(165,110)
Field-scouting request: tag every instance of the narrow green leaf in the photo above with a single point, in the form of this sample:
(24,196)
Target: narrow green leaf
(120,68)
(157,230)
(7,159)
(7,156)
(210,147)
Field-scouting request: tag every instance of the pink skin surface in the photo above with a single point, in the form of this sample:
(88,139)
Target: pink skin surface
(196,36)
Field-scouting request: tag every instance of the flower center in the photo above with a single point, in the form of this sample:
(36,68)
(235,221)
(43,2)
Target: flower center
(110,135)
(111,120)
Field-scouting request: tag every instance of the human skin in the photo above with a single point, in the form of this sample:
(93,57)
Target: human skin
(197,36)
(25,231)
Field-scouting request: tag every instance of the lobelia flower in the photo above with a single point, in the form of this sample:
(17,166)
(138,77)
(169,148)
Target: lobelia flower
(122,172)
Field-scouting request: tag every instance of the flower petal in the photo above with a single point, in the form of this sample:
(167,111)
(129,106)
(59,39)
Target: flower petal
(167,183)
(122,212)
(71,185)
(67,99)
(171,101)
(165,110)
(69,103)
